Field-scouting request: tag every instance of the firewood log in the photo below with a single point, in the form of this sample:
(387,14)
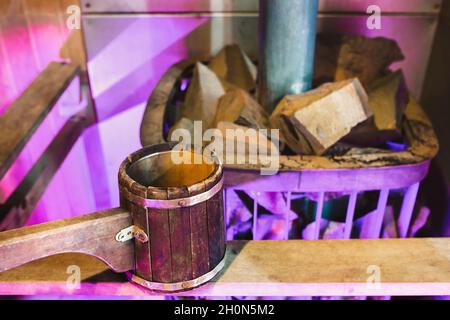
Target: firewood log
(239,107)
(232,65)
(341,57)
(242,139)
(388,97)
(314,121)
(202,96)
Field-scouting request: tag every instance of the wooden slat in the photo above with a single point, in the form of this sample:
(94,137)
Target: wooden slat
(139,215)
(272,268)
(216,213)
(350,214)
(199,237)
(160,240)
(252,6)
(409,201)
(319,209)
(180,237)
(18,207)
(27,112)
(92,234)
(143,256)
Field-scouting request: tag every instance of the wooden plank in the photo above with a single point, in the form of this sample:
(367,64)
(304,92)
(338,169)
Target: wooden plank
(143,256)
(160,242)
(215,214)
(92,234)
(24,116)
(199,236)
(139,214)
(18,45)
(249,6)
(180,237)
(8,86)
(18,207)
(42,8)
(272,268)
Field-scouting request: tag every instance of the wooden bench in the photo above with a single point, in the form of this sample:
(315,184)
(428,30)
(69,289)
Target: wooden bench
(417,267)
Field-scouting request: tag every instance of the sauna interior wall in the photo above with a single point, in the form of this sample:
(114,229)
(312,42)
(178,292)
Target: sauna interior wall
(130,44)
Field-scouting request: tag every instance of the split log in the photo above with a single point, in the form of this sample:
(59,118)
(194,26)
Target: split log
(314,121)
(202,96)
(239,107)
(388,98)
(235,67)
(246,141)
(341,57)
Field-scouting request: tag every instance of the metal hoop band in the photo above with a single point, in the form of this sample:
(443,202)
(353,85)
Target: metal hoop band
(177,286)
(174,203)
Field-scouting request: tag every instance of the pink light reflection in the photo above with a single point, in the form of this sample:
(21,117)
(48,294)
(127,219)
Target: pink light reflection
(40,140)
(25,49)
(126,63)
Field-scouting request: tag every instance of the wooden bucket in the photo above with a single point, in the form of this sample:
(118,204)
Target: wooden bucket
(178,218)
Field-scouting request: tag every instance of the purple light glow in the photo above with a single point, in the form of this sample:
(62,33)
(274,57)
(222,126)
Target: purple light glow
(26,47)
(76,185)
(129,59)
(224,289)
(184,84)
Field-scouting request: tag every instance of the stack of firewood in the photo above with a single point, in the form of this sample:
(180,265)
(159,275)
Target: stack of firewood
(357,102)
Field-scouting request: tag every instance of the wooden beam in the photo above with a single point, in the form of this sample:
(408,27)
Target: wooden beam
(15,212)
(92,234)
(271,268)
(27,112)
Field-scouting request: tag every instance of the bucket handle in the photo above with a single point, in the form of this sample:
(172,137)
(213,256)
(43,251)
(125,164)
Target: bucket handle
(93,234)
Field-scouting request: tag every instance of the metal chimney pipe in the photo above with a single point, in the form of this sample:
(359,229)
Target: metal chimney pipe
(287,34)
